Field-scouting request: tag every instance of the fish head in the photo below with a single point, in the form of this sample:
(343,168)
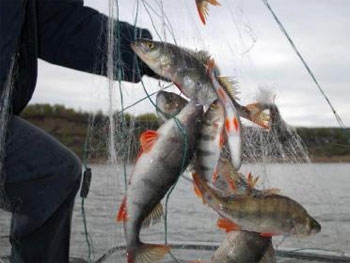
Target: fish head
(313,226)
(305,226)
(215,113)
(191,114)
(169,103)
(156,55)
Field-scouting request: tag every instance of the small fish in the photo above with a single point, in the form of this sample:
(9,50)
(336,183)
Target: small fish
(268,215)
(210,142)
(165,155)
(202,7)
(244,246)
(169,104)
(233,126)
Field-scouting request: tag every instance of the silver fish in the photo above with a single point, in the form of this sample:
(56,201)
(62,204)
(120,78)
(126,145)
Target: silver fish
(165,155)
(244,246)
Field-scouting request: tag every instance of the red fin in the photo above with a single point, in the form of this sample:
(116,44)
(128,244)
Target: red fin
(122,213)
(147,139)
(227,125)
(228,225)
(268,234)
(201,12)
(235,124)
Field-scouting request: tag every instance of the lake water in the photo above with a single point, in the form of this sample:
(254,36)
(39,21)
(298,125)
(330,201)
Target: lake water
(323,189)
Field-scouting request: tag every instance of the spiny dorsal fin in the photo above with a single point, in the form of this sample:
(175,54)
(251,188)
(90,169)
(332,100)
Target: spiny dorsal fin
(230,85)
(154,217)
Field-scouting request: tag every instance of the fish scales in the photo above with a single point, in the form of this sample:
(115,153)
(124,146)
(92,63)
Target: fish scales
(156,170)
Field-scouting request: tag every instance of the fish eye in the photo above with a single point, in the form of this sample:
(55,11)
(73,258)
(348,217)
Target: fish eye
(149,44)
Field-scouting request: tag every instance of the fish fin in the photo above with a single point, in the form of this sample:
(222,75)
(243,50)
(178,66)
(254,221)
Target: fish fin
(268,234)
(147,140)
(257,115)
(230,85)
(214,2)
(147,253)
(227,125)
(202,8)
(221,140)
(251,181)
(197,191)
(154,217)
(215,175)
(196,188)
(210,65)
(236,123)
(122,215)
(271,191)
(228,225)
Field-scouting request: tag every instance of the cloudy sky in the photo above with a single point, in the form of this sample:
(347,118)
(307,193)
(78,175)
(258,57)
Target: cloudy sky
(246,43)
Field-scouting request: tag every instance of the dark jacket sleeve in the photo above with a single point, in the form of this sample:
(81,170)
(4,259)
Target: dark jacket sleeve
(75,36)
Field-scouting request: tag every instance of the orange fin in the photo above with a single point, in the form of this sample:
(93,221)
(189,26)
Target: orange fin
(235,124)
(202,9)
(147,139)
(258,116)
(228,225)
(122,213)
(148,253)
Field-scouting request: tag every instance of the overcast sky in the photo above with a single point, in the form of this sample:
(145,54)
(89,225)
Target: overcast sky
(246,43)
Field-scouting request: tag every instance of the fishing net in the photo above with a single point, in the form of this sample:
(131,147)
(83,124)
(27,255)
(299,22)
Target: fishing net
(115,138)
(277,156)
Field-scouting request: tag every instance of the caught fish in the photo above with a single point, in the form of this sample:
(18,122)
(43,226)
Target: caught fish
(268,215)
(187,69)
(210,142)
(244,246)
(169,104)
(165,155)
(202,7)
(233,126)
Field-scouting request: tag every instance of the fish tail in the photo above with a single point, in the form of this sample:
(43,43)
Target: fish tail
(147,253)
(257,115)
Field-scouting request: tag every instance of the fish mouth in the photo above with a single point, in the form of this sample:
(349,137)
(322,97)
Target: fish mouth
(315,227)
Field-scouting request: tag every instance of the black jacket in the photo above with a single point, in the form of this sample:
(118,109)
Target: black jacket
(62,32)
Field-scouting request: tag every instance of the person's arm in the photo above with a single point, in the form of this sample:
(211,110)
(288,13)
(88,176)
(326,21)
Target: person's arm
(75,36)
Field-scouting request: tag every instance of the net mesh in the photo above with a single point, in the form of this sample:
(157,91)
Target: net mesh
(112,141)
(280,144)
